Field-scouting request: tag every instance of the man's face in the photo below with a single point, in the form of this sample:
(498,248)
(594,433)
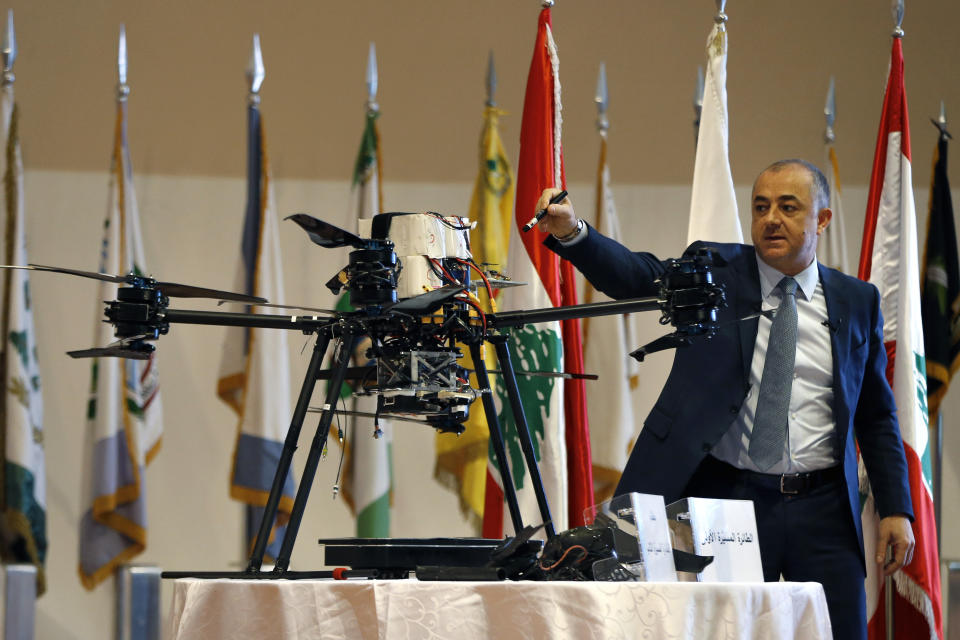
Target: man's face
(785,225)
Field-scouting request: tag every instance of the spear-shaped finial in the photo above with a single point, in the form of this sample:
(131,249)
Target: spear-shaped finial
(602,98)
(123,89)
(721,17)
(897,10)
(941,122)
(255,71)
(830,113)
(491,81)
(372,79)
(9,50)
(697,104)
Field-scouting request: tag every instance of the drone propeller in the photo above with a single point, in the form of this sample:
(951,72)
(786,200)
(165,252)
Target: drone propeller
(170,289)
(133,348)
(325,234)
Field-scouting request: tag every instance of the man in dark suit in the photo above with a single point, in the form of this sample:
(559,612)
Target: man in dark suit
(767,410)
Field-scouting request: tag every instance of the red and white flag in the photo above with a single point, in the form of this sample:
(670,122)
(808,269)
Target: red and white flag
(555,409)
(888,259)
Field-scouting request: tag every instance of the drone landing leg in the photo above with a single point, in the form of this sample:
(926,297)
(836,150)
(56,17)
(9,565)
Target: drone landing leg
(316,451)
(523,432)
(496,437)
(289,446)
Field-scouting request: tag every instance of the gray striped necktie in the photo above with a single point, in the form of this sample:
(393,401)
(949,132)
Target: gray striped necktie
(773,403)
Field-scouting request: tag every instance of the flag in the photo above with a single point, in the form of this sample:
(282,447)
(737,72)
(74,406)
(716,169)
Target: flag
(713,203)
(23,527)
(888,259)
(940,285)
(368,467)
(607,340)
(552,418)
(124,414)
(254,376)
(832,248)
(462,460)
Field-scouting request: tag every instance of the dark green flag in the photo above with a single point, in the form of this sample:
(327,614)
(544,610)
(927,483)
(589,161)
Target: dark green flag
(940,284)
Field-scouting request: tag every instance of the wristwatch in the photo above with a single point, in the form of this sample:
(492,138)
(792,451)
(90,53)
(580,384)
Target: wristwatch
(573,234)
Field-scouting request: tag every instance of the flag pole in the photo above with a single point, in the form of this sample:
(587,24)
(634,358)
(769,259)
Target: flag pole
(941,124)
(372,80)
(602,99)
(491,81)
(123,89)
(255,72)
(9,50)
(830,113)
(373,110)
(897,10)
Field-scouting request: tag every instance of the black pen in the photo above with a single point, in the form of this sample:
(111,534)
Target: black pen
(557,199)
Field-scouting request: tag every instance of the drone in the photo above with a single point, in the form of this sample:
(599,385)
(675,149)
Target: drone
(415,316)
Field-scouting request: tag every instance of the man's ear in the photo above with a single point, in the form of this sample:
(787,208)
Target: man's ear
(823,219)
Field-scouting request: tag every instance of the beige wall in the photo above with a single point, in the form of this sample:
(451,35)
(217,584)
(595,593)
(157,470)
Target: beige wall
(187,61)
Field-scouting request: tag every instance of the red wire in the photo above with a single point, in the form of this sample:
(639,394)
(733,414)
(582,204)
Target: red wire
(486,282)
(483,316)
(437,263)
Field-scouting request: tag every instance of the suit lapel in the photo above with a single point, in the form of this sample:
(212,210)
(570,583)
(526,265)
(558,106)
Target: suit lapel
(838,315)
(747,304)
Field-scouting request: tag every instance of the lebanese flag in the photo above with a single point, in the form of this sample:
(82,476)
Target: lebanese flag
(556,410)
(888,259)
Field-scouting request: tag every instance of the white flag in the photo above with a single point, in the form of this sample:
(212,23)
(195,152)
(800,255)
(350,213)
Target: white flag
(255,366)
(368,473)
(124,416)
(608,340)
(832,248)
(24,500)
(713,204)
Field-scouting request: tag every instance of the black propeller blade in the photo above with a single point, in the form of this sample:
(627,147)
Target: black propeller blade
(175,290)
(132,348)
(106,277)
(170,289)
(325,234)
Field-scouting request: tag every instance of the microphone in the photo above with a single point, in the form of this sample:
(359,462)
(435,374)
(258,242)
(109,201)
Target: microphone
(833,326)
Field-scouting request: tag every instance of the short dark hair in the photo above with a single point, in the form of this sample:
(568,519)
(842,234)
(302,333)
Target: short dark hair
(820,190)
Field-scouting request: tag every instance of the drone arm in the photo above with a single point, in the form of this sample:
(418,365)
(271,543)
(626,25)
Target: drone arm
(505,319)
(255,320)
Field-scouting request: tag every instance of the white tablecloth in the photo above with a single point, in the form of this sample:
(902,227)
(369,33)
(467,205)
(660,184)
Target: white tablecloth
(306,609)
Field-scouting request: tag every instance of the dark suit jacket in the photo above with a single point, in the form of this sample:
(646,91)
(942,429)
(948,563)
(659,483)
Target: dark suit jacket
(710,379)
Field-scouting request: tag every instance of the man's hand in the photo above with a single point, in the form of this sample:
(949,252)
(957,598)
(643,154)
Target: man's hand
(895,532)
(560,219)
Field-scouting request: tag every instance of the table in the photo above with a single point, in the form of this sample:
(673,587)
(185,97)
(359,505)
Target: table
(376,609)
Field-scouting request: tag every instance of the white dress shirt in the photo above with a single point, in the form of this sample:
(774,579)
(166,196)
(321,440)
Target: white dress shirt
(811,434)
